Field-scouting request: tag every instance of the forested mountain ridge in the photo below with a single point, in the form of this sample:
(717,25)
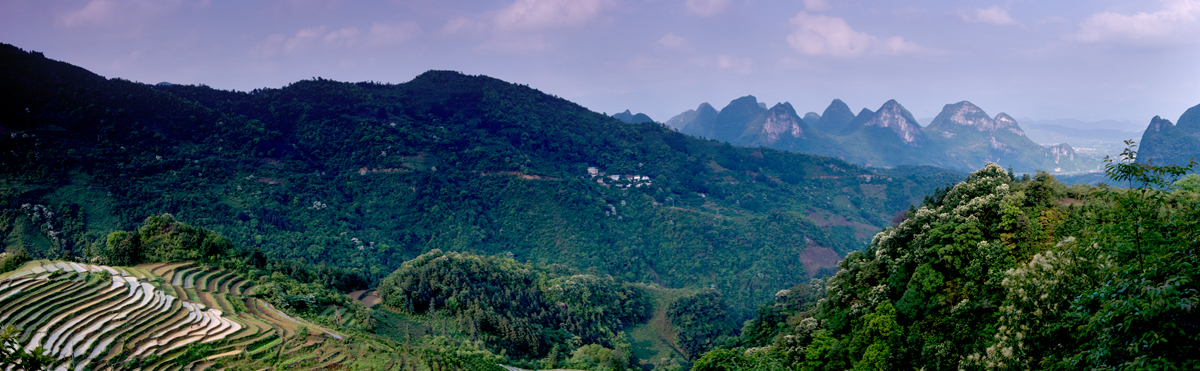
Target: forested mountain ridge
(352,179)
(962,137)
(1164,143)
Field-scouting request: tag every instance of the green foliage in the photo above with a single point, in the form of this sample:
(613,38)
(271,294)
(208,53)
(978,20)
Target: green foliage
(774,319)
(1004,273)
(194,352)
(449,354)
(1191,183)
(518,309)
(364,317)
(12,355)
(701,322)
(1122,295)
(292,286)
(756,359)
(880,331)
(598,358)
(163,239)
(287,292)
(12,258)
(924,293)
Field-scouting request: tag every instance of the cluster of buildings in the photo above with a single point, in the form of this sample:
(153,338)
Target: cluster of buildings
(618,180)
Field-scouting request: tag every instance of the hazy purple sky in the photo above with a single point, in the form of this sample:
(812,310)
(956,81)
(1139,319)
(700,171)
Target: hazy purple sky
(1087,59)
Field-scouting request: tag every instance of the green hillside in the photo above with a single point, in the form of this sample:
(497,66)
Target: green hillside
(1164,143)
(1002,273)
(355,178)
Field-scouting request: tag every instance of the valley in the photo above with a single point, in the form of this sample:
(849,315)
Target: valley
(457,221)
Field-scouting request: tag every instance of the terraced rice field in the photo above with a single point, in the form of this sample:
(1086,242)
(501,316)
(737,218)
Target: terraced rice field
(148,316)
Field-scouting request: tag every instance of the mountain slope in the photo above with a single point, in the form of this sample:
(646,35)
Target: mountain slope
(835,118)
(1189,121)
(962,137)
(1164,143)
(962,128)
(698,122)
(361,177)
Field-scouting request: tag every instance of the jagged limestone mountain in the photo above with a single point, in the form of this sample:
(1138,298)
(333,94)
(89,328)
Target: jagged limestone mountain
(836,118)
(963,128)
(1164,143)
(860,119)
(1189,121)
(886,137)
(894,117)
(782,119)
(745,121)
(631,118)
(963,137)
(698,122)
(739,119)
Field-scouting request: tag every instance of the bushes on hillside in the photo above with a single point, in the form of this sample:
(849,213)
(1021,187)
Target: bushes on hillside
(1000,272)
(163,239)
(518,309)
(701,322)
(285,284)
(12,258)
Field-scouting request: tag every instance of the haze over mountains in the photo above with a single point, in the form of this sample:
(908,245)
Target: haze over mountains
(963,137)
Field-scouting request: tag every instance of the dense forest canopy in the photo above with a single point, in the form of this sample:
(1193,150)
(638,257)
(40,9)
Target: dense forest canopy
(1005,273)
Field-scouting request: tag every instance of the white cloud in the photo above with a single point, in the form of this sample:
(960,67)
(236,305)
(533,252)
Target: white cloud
(707,8)
(118,13)
(1175,22)
(825,35)
(525,25)
(993,15)
(308,39)
(816,5)
(741,65)
(546,14)
(671,41)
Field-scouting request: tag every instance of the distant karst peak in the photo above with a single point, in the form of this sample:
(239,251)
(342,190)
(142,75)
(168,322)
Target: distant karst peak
(893,116)
(781,119)
(1159,124)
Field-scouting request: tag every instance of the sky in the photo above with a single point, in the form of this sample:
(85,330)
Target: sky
(1089,60)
